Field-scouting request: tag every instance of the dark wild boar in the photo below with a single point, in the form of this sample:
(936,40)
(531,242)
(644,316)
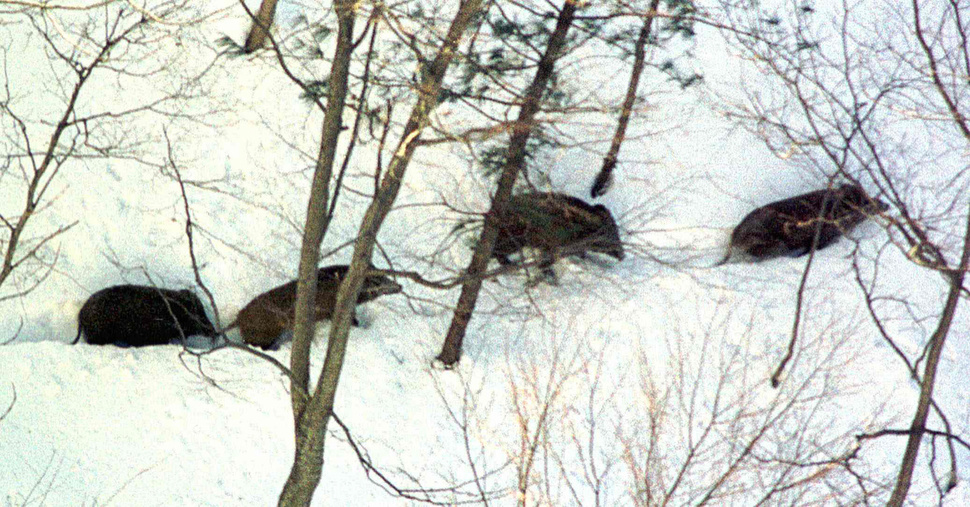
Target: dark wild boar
(266,317)
(558,225)
(787,228)
(137,315)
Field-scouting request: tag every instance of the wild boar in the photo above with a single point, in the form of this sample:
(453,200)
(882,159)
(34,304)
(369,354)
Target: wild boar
(267,316)
(558,225)
(137,315)
(787,228)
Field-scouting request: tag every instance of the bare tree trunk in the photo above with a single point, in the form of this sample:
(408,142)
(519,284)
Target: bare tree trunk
(300,486)
(937,340)
(312,421)
(604,180)
(451,349)
(317,217)
(261,25)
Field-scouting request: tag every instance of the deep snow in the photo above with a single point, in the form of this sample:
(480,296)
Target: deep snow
(155,426)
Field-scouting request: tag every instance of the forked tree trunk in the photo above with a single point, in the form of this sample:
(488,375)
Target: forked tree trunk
(515,159)
(261,25)
(299,487)
(316,221)
(312,421)
(604,180)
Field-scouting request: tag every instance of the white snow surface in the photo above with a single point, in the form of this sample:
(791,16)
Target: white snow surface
(101,425)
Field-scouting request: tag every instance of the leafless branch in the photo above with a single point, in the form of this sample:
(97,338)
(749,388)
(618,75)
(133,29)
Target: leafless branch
(13,400)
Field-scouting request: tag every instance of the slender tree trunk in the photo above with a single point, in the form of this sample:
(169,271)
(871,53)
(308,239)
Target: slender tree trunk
(312,422)
(299,487)
(317,217)
(261,25)
(937,340)
(451,350)
(604,180)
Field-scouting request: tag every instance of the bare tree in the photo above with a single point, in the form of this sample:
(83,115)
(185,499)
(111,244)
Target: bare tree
(312,415)
(851,87)
(604,179)
(84,48)
(542,91)
(317,217)
(685,420)
(515,159)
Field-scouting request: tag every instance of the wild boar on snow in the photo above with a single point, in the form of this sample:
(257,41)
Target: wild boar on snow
(137,315)
(558,225)
(267,316)
(788,228)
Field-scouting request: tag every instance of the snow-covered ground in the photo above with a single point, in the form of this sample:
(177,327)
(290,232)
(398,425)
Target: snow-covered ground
(593,362)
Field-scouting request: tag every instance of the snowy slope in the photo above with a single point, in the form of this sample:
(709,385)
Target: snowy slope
(590,361)
(102,425)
